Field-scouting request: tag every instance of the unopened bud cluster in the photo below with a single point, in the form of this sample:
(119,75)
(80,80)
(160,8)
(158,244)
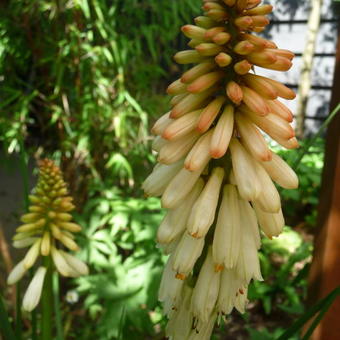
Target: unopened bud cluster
(216,172)
(47,230)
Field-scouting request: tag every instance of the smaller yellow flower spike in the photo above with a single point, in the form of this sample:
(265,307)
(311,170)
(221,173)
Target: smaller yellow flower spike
(46,227)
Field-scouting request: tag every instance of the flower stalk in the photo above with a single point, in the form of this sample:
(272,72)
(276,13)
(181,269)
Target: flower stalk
(216,171)
(47,301)
(48,231)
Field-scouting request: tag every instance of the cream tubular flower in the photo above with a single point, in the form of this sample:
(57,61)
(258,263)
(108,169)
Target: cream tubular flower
(269,198)
(222,133)
(206,290)
(173,151)
(175,221)
(33,292)
(229,288)
(200,153)
(187,252)
(63,267)
(180,323)
(271,224)
(161,176)
(281,172)
(245,173)
(248,265)
(203,330)
(170,289)
(203,211)
(241,300)
(227,236)
(179,187)
(78,266)
(249,218)
(32,254)
(17,273)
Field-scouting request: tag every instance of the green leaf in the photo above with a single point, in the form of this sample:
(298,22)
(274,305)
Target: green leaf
(321,307)
(5,326)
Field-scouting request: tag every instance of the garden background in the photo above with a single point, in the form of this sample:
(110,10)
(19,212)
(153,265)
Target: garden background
(81,82)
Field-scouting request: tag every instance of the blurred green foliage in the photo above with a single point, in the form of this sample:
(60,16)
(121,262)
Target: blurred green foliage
(81,81)
(76,77)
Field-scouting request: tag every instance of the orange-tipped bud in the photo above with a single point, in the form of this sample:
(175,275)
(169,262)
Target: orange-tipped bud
(286,143)
(234,92)
(246,179)
(212,5)
(242,67)
(252,139)
(188,57)
(176,99)
(161,124)
(217,15)
(194,32)
(261,58)
(259,20)
(281,64)
(191,103)
(222,133)
(200,153)
(209,114)
(254,101)
(272,125)
(177,87)
(259,42)
(197,71)
(221,38)
(282,90)
(205,22)
(261,86)
(258,29)
(243,22)
(208,49)
(244,47)
(181,126)
(261,10)
(210,33)
(281,173)
(173,151)
(280,110)
(204,82)
(223,59)
(195,42)
(282,53)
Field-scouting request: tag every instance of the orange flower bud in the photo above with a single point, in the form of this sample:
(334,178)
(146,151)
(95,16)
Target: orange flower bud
(242,67)
(234,92)
(197,71)
(223,59)
(205,81)
(209,114)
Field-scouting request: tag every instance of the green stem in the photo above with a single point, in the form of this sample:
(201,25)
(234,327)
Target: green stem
(24,174)
(57,313)
(18,323)
(47,303)
(5,326)
(316,136)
